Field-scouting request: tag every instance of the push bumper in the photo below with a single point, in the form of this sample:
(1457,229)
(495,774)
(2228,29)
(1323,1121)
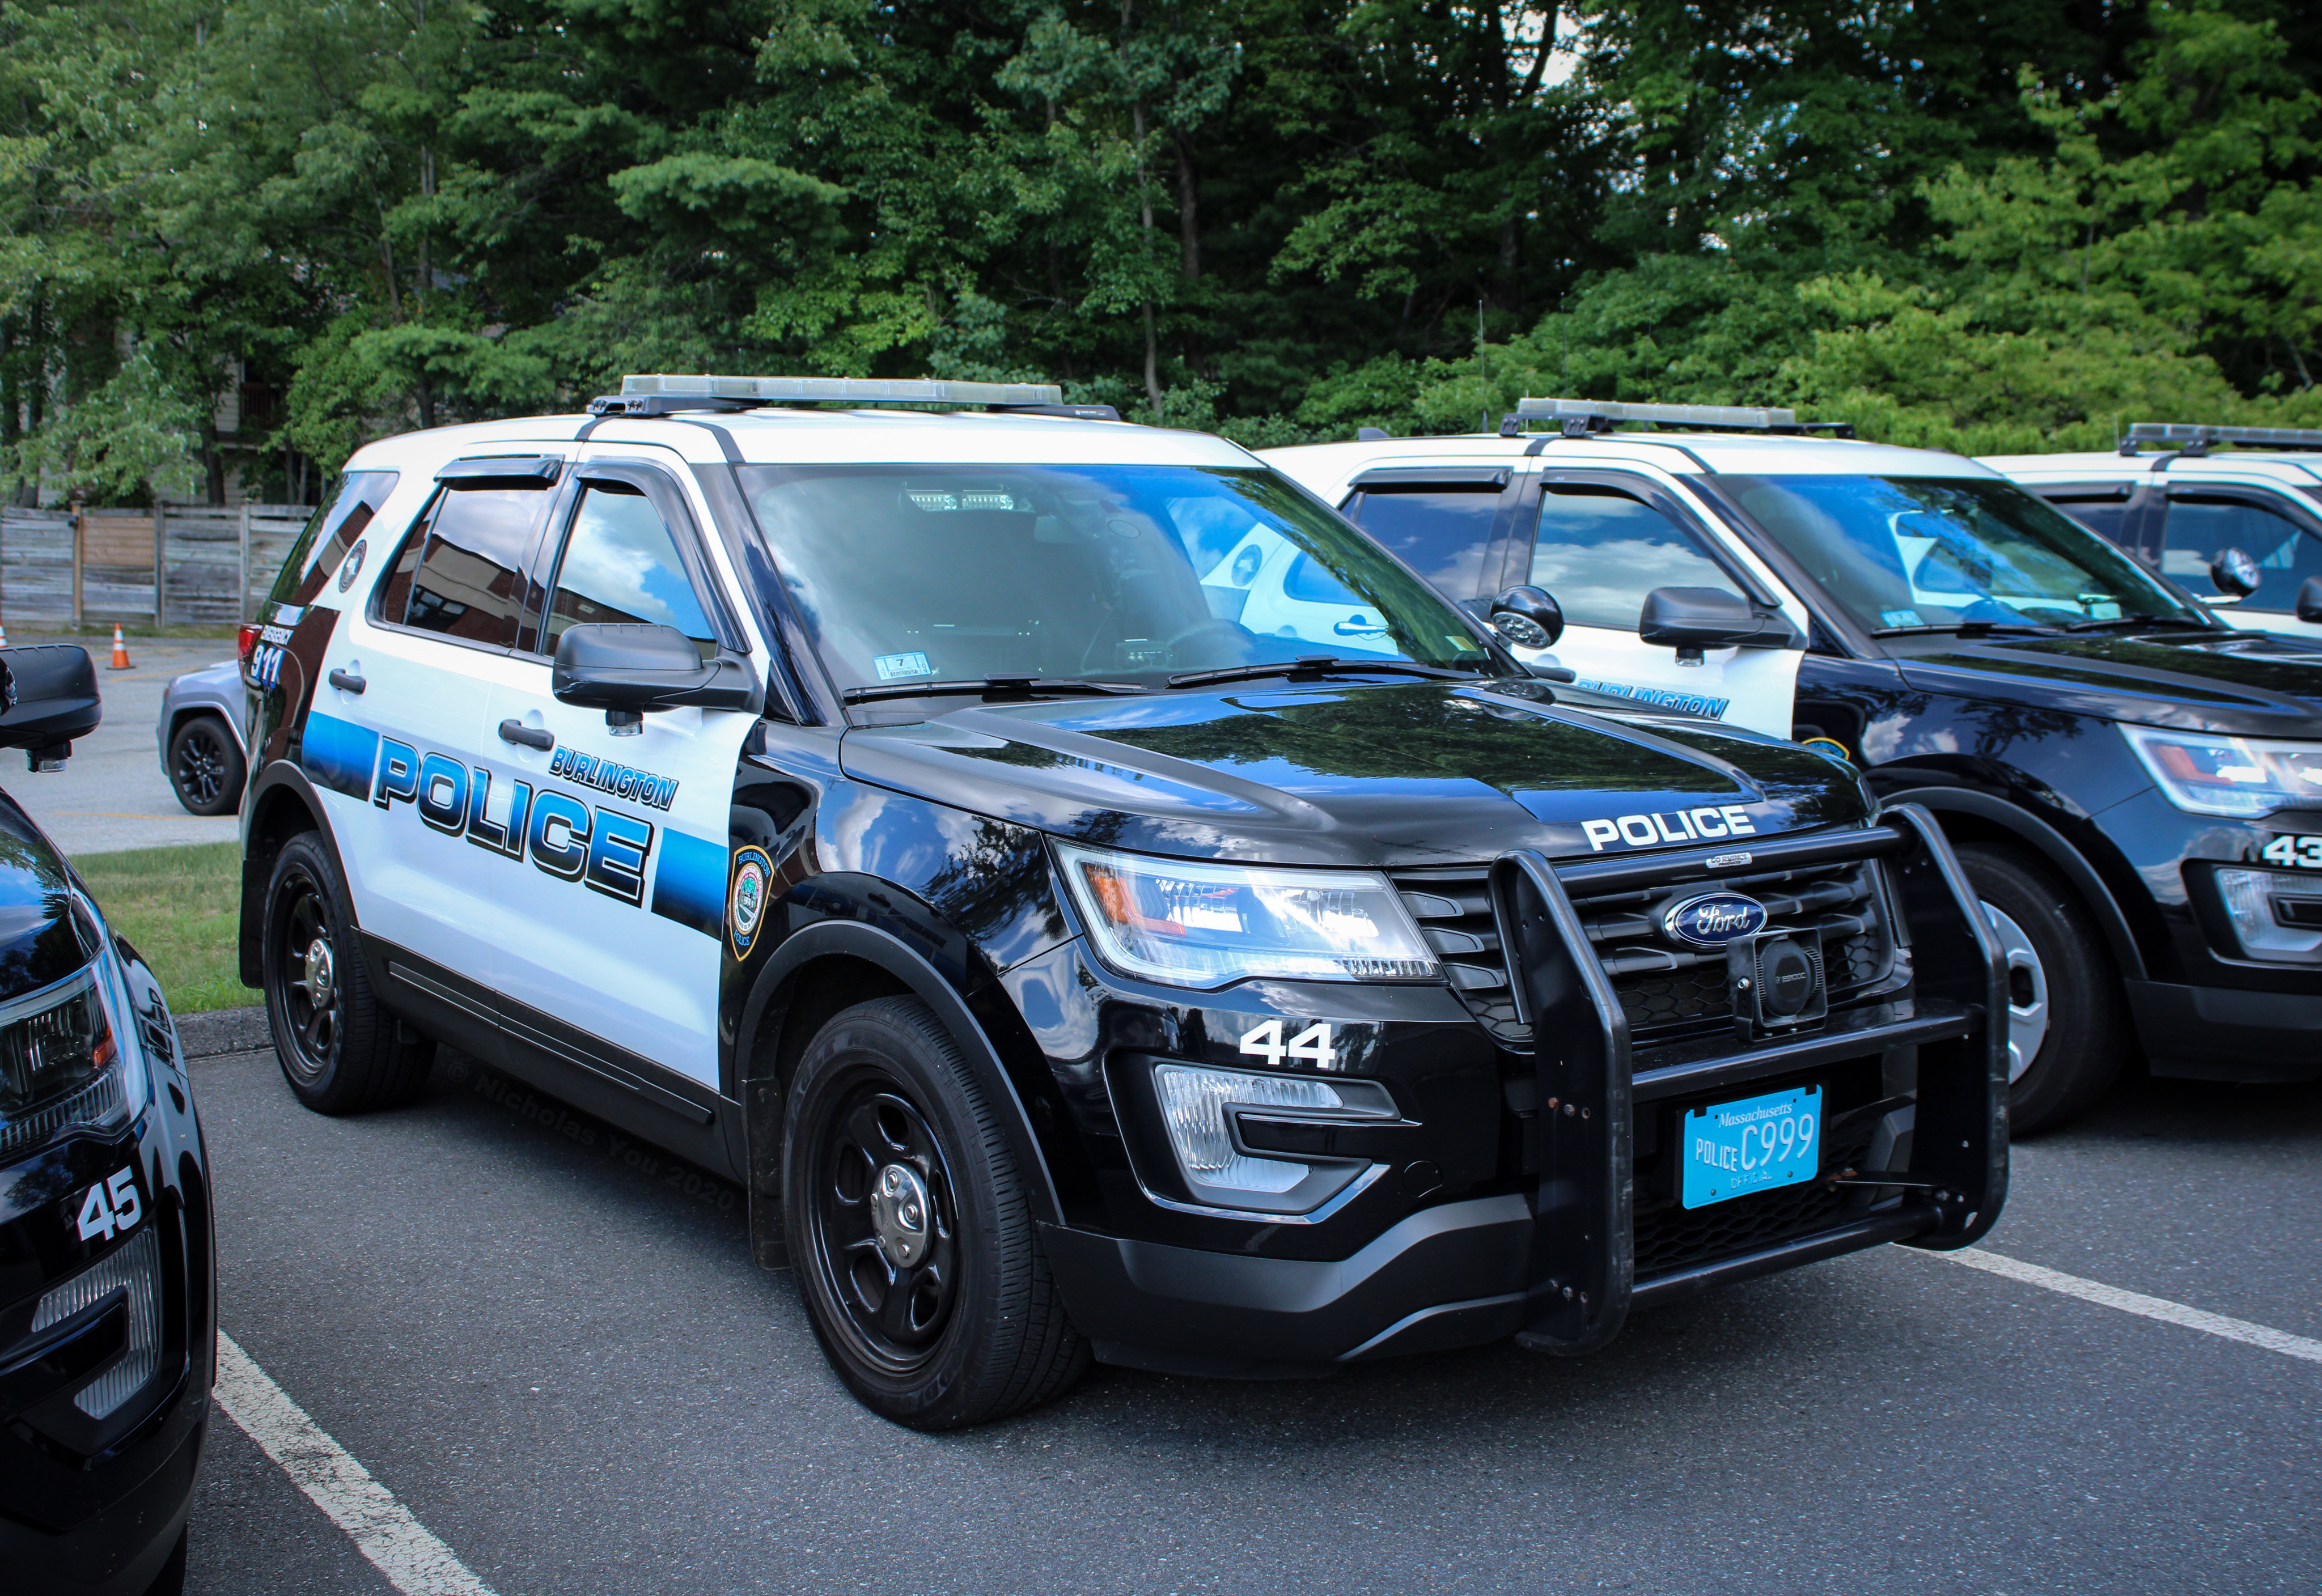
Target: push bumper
(1555,1264)
(2228,1032)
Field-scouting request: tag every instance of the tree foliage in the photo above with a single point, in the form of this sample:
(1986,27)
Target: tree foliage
(1978,227)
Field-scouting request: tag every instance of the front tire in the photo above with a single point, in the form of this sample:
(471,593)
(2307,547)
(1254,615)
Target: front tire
(915,1246)
(2065,1002)
(206,767)
(340,1050)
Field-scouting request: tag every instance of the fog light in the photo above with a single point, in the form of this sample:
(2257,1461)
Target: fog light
(2259,921)
(136,1268)
(1195,1105)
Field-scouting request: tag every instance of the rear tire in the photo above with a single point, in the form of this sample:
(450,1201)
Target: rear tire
(206,767)
(340,1050)
(2065,1002)
(914,1243)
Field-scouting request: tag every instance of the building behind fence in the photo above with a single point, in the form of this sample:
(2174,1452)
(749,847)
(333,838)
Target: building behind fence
(64,566)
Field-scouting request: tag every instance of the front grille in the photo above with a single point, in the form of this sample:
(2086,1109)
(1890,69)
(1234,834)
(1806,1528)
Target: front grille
(1668,994)
(1668,1237)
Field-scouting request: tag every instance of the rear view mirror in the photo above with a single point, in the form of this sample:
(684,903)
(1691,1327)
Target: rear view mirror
(2309,601)
(1527,616)
(627,669)
(49,690)
(2235,574)
(1691,619)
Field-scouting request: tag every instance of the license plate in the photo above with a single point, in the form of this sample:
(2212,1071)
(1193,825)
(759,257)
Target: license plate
(1756,1144)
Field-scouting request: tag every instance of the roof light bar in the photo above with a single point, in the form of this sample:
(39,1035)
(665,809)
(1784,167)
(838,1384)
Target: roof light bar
(842,390)
(2191,439)
(1723,418)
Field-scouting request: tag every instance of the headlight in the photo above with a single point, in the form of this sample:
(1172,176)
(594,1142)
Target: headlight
(2244,776)
(1199,925)
(64,1064)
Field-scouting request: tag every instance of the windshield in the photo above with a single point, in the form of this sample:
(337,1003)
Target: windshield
(1110,573)
(1903,552)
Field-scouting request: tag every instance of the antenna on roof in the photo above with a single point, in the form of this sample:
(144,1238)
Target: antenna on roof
(662,393)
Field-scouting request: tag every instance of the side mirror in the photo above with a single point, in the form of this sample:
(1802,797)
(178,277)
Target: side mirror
(625,669)
(50,698)
(2235,574)
(2309,601)
(1527,616)
(1691,619)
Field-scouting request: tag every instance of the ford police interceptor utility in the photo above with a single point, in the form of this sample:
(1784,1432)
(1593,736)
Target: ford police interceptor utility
(108,1315)
(2135,790)
(2240,527)
(899,810)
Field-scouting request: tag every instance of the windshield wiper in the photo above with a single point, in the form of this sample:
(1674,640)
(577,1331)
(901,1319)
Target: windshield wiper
(1319,665)
(2093,623)
(1965,628)
(1032,687)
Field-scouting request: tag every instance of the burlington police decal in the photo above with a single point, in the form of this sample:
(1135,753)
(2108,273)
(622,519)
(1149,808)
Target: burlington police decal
(746,909)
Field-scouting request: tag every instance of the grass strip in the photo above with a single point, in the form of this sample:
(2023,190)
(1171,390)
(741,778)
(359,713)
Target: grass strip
(181,908)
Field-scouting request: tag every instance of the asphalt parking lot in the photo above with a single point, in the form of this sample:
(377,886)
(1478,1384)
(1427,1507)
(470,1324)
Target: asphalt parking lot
(112,793)
(548,1342)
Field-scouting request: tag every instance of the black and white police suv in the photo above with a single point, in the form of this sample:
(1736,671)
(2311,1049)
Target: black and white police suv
(108,1306)
(890,808)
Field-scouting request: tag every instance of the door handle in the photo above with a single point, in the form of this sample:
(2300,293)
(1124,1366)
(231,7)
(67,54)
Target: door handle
(347,684)
(515,730)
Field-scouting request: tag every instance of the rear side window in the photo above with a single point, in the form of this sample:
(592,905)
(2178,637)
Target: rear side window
(340,523)
(1443,534)
(2200,529)
(1599,552)
(621,564)
(460,573)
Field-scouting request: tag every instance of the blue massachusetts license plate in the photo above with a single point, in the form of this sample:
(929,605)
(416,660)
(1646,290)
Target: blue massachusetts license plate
(1756,1144)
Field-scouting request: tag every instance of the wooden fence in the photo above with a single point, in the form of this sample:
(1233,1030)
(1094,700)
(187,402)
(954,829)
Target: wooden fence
(59,566)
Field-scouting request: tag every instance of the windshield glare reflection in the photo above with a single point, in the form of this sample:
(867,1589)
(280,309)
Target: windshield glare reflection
(1112,573)
(1902,553)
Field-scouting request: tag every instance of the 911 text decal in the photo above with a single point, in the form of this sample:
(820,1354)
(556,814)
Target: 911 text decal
(1683,826)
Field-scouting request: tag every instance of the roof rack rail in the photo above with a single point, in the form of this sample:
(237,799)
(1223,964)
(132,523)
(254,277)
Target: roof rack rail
(1581,417)
(664,394)
(2196,440)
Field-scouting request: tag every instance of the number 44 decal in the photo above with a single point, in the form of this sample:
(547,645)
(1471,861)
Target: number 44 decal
(2306,853)
(1311,1045)
(110,1205)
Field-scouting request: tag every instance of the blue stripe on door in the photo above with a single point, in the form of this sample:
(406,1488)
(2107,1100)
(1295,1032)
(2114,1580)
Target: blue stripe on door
(338,754)
(690,882)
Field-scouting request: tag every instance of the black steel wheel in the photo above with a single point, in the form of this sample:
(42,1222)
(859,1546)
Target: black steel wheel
(205,766)
(341,1052)
(915,1247)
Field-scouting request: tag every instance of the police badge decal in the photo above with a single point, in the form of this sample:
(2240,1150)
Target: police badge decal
(745,902)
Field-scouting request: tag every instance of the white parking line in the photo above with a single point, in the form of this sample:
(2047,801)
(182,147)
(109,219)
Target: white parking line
(2135,1302)
(383,1529)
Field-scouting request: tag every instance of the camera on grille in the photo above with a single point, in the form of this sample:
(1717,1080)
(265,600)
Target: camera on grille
(1778,980)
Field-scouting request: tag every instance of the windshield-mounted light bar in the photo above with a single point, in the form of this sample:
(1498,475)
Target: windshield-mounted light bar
(660,393)
(1580,418)
(2187,437)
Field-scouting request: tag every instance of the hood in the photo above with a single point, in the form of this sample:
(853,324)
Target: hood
(2242,683)
(1396,776)
(42,940)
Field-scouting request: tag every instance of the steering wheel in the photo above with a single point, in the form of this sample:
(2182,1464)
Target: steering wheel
(1203,628)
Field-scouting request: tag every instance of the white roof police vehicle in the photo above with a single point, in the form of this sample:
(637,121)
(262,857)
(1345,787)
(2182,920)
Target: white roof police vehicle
(894,809)
(2135,790)
(2241,526)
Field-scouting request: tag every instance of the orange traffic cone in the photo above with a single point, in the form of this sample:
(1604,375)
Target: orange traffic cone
(120,651)
(4,637)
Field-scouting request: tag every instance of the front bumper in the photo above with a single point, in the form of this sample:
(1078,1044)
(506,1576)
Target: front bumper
(2228,1032)
(1591,1230)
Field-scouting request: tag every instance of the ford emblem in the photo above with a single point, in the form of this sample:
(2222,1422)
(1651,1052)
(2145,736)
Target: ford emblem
(1713,919)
